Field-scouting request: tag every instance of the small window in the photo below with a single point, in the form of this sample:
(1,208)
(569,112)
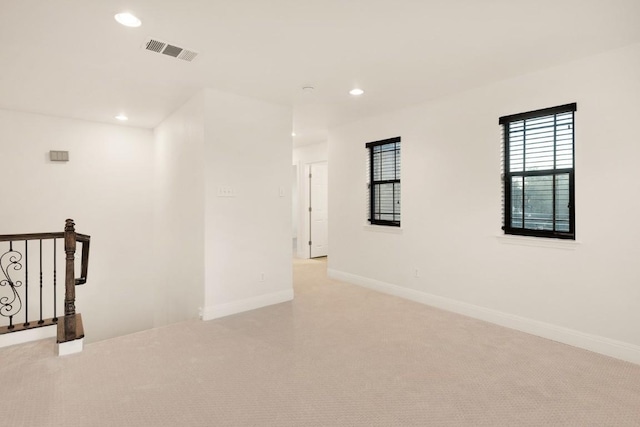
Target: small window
(384,182)
(538,171)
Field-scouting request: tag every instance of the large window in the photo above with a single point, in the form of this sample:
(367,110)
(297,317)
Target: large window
(384,182)
(538,170)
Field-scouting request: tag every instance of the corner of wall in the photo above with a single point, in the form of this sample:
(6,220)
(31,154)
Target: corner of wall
(235,307)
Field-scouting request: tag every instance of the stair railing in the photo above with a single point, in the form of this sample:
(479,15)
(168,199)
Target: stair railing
(16,296)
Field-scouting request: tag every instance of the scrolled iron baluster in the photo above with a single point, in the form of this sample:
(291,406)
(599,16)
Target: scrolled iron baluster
(10,305)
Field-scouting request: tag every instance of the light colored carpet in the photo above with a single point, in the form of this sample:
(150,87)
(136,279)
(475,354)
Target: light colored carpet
(339,355)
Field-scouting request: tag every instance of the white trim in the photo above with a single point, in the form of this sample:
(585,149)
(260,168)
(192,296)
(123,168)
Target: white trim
(617,349)
(28,335)
(543,242)
(382,229)
(70,347)
(222,310)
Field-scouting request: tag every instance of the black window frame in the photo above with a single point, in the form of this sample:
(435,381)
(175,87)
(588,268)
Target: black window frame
(375,184)
(508,175)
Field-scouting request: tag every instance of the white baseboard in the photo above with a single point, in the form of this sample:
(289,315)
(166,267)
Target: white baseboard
(222,310)
(617,349)
(21,337)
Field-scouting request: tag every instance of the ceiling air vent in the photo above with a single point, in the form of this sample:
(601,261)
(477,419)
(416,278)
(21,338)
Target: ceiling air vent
(168,49)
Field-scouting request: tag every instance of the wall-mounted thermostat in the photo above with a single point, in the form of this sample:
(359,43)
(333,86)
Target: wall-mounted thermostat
(59,156)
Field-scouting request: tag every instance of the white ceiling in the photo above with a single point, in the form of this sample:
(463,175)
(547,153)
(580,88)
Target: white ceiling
(70,58)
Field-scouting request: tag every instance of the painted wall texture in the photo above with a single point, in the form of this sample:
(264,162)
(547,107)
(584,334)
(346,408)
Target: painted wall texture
(584,292)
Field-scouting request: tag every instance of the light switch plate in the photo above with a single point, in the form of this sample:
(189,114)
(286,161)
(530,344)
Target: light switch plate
(226,191)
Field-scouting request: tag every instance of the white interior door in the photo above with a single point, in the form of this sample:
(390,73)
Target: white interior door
(294,205)
(318,212)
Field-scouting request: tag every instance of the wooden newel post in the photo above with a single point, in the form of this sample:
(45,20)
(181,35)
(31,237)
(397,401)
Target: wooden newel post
(71,326)
(70,281)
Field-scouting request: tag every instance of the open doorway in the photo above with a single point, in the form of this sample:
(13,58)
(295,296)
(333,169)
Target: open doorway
(310,226)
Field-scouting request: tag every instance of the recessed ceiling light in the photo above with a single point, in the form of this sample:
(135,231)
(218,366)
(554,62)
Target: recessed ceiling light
(122,117)
(356,91)
(128,20)
(293,134)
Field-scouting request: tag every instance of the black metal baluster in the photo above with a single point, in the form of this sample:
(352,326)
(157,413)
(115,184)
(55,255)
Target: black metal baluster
(40,321)
(26,283)
(55,317)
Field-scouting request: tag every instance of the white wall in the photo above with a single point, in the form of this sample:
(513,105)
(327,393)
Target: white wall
(179,213)
(312,153)
(302,157)
(106,187)
(223,254)
(584,293)
(247,236)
